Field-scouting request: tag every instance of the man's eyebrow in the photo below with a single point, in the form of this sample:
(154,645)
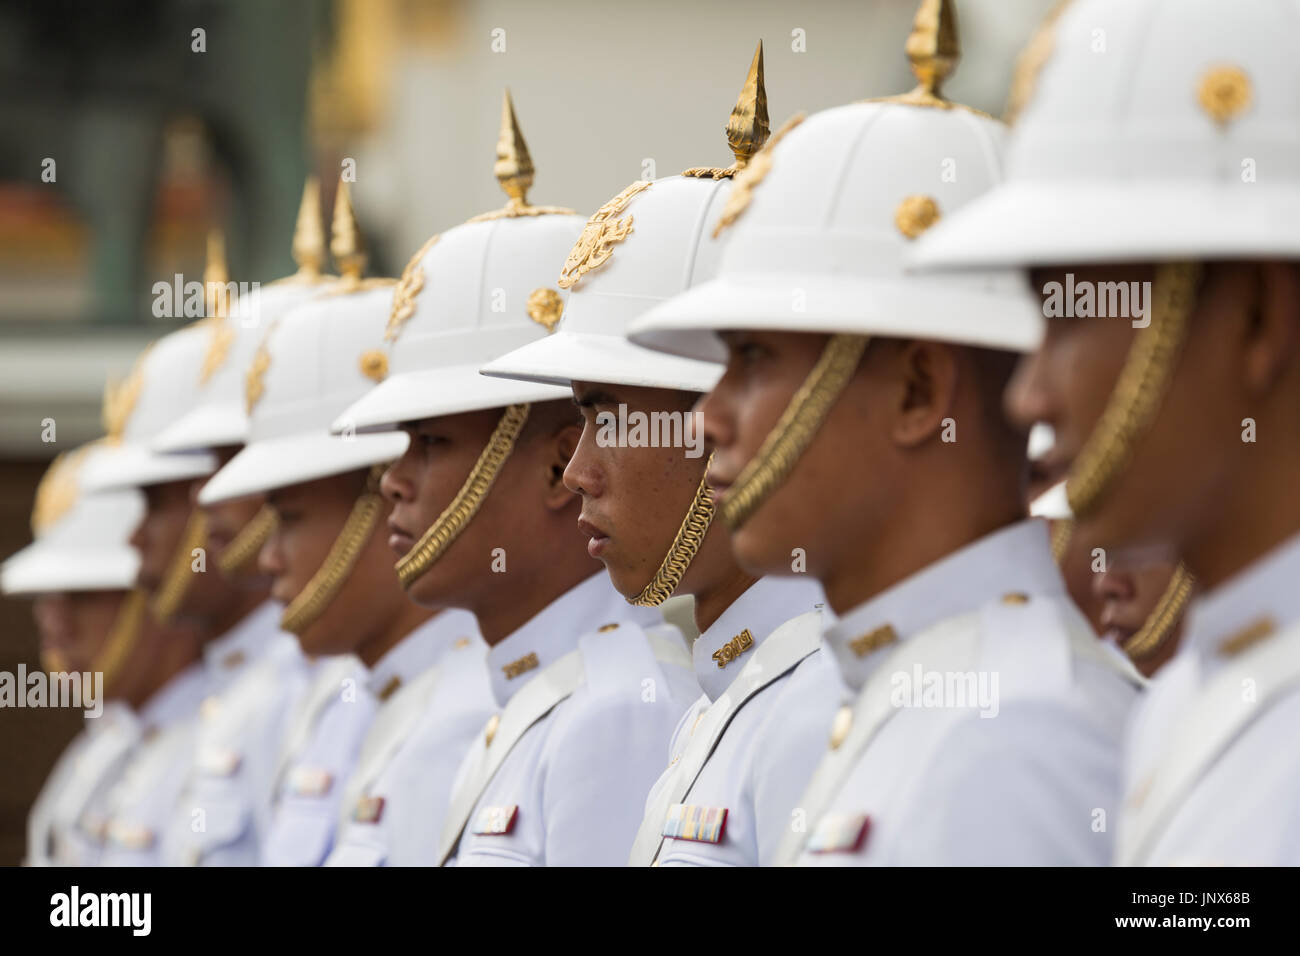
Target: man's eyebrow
(593,396)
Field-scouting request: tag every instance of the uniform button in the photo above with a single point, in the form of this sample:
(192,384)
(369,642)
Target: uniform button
(840,726)
(1015,597)
(606,628)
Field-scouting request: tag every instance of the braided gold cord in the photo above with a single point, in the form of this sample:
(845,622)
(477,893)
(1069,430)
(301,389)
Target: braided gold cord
(1164,617)
(180,575)
(305,609)
(683,549)
(122,639)
(243,548)
(1061,532)
(454,518)
(1139,389)
(795,429)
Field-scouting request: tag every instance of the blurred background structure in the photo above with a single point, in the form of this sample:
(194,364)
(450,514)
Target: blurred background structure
(127,129)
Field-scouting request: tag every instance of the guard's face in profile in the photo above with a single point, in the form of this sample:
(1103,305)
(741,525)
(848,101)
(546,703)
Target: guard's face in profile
(513,515)
(310,517)
(157,537)
(816,507)
(424,481)
(634,495)
(227,518)
(1169,479)
(74,625)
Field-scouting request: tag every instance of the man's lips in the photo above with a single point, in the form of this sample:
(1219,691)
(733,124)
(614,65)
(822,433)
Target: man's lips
(719,484)
(597,538)
(399,539)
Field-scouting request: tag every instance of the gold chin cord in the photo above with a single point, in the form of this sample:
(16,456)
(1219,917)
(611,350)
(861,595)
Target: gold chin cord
(305,609)
(684,547)
(1128,415)
(795,429)
(240,556)
(122,639)
(54,662)
(457,515)
(1164,617)
(180,573)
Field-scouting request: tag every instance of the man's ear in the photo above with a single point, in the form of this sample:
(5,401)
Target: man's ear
(560,449)
(927,376)
(1271,350)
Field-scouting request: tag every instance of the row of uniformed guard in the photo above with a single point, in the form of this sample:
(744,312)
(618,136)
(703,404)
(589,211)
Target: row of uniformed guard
(890,667)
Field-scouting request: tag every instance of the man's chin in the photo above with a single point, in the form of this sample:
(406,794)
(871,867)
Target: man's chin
(759,554)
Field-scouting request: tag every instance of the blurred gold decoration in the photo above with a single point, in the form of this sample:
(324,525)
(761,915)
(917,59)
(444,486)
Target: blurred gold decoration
(180,572)
(217,293)
(602,232)
(408,287)
(747,128)
(347,245)
(1135,399)
(216,275)
(255,377)
(1224,93)
(308,246)
(53,661)
(1164,618)
(351,84)
(120,399)
(121,640)
(514,171)
(57,491)
(545,307)
(915,214)
(374,365)
(240,556)
(933,47)
(1030,63)
(748,179)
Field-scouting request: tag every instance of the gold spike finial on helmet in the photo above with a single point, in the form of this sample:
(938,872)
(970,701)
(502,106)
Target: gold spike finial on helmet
(346,243)
(308,246)
(514,167)
(748,127)
(933,47)
(216,275)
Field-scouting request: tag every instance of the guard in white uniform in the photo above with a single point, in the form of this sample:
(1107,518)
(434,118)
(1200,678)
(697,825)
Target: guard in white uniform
(744,750)
(1171,161)
(434,696)
(324,727)
(140,804)
(255,671)
(588,692)
(932,606)
(341,597)
(80,546)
